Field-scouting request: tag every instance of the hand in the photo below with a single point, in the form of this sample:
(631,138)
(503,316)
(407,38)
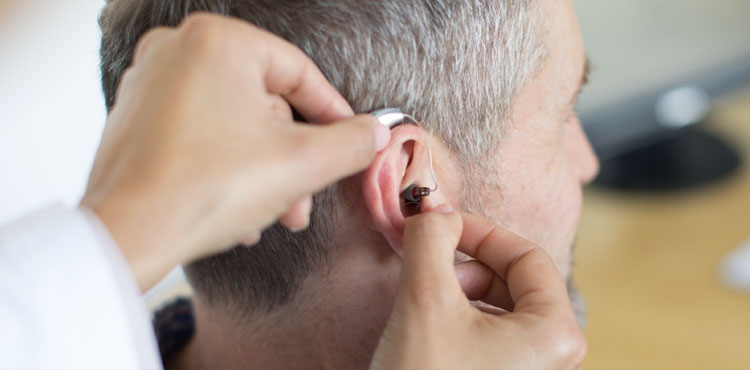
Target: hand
(200,151)
(434,325)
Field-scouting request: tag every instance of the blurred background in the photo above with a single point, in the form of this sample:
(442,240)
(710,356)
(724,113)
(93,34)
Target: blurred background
(51,105)
(663,256)
(660,255)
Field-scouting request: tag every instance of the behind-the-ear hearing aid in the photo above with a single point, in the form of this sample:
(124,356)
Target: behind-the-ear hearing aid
(393,117)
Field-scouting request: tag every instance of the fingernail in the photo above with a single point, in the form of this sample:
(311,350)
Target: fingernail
(297,228)
(382,136)
(251,239)
(443,208)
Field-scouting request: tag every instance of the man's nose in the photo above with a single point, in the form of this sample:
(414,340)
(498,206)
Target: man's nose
(582,154)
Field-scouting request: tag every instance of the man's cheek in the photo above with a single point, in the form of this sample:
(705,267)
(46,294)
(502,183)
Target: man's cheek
(569,229)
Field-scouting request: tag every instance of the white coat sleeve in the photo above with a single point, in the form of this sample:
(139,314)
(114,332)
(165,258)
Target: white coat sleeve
(68,298)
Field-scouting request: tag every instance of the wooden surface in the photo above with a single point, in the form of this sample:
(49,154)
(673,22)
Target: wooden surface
(648,268)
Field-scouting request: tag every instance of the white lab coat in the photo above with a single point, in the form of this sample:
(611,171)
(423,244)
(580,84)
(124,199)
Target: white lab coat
(68,298)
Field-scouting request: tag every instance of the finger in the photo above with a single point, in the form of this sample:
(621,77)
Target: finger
(486,308)
(252,239)
(532,279)
(481,284)
(475,278)
(428,276)
(287,71)
(151,40)
(536,286)
(297,218)
(332,152)
(281,108)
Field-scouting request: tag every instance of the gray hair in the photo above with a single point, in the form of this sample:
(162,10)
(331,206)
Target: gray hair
(455,65)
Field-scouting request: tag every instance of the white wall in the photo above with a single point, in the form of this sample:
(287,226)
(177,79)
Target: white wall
(51,105)
(638,45)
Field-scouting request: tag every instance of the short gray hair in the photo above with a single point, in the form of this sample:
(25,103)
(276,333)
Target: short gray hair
(455,65)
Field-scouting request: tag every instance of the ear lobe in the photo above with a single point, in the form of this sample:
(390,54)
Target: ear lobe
(399,165)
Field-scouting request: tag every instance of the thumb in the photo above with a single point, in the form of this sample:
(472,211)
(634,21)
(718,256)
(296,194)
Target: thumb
(428,278)
(340,149)
(425,308)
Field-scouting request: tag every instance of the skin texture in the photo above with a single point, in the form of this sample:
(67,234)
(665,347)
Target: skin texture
(339,314)
(545,157)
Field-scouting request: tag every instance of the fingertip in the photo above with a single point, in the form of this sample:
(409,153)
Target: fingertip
(297,218)
(379,133)
(382,136)
(341,108)
(252,239)
(433,228)
(474,278)
(429,243)
(340,149)
(443,208)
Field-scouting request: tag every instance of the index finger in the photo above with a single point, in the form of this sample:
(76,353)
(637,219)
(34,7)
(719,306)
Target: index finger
(533,281)
(289,72)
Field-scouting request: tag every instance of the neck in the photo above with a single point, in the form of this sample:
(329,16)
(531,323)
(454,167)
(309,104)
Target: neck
(334,321)
(262,341)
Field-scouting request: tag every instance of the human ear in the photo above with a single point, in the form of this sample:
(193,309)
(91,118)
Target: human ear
(405,161)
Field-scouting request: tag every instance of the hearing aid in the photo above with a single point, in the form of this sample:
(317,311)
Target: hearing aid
(414,194)
(392,117)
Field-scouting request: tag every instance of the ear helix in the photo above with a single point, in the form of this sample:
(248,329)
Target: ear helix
(391,117)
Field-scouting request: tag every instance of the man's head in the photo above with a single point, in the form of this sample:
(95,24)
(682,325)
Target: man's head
(492,81)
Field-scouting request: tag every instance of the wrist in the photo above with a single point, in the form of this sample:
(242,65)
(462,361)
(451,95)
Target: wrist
(140,236)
